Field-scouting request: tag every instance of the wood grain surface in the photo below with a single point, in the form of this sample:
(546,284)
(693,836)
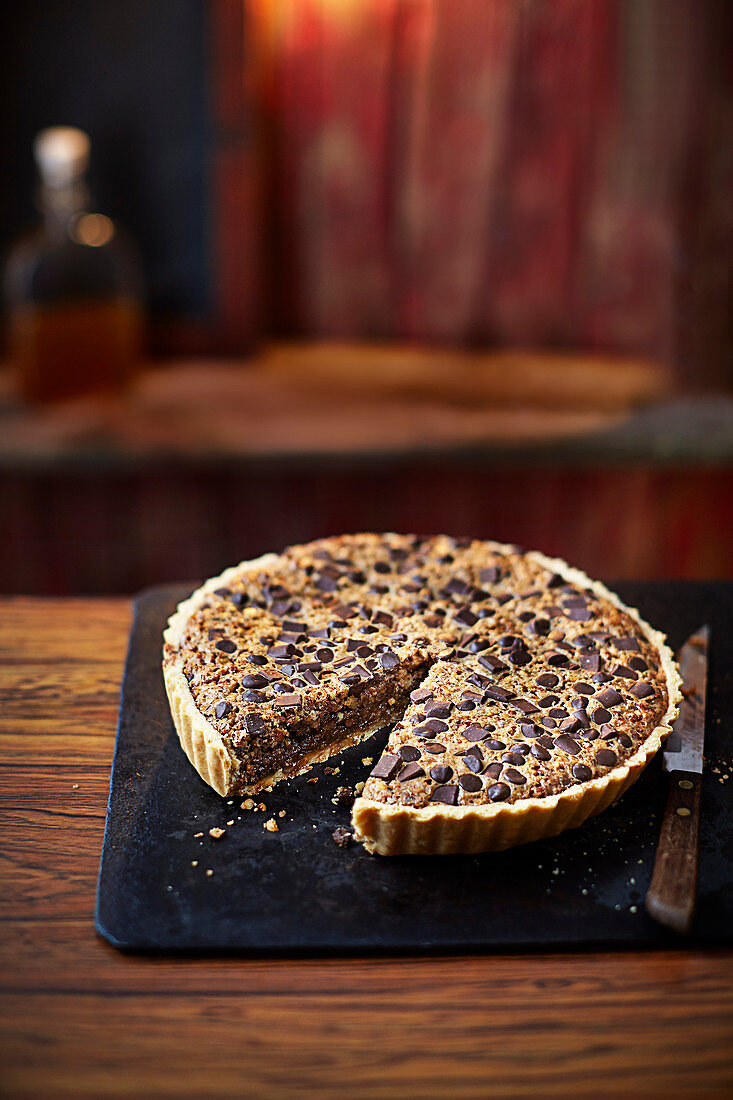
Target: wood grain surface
(79,1019)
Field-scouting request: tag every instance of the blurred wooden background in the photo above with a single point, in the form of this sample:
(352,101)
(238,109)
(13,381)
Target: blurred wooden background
(480,201)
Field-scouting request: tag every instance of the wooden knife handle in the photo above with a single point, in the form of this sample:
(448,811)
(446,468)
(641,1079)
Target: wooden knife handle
(671,895)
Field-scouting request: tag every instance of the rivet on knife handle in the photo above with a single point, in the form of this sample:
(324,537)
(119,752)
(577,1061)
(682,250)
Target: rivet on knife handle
(671,895)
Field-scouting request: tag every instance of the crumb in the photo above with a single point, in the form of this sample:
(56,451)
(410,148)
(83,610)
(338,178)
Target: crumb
(230,822)
(281,813)
(261,806)
(216,833)
(367,760)
(328,771)
(197,835)
(358,788)
(209,872)
(75,786)
(337,771)
(342,836)
(344,796)
(313,780)
(270,825)
(230,802)
(248,804)
(194,863)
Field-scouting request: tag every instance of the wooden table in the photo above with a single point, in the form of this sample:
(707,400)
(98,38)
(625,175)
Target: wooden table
(79,1019)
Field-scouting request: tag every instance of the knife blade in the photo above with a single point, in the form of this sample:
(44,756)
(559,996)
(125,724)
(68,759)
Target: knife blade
(671,895)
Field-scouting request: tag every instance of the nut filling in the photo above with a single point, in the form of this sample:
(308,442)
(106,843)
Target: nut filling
(507,680)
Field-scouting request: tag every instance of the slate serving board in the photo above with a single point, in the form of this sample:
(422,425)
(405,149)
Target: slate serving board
(296,891)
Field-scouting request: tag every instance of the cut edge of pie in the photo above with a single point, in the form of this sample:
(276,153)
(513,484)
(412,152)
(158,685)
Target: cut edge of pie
(387,829)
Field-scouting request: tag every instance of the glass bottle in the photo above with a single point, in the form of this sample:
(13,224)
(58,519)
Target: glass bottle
(73,286)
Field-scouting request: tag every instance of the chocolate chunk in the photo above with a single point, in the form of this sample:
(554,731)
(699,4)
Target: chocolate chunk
(470,782)
(514,776)
(255,680)
(567,744)
(540,752)
(227,646)
(293,700)
(409,752)
(589,734)
(590,663)
(490,575)
(638,664)
(388,659)
(474,733)
(419,695)
(627,643)
(582,772)
(499,792)
(527,729)
(570,725)
(345,611)
(548,680)
(580,614)
(342,836)
(546,741)
(492,663)
(437,725)
(257,659)
(410,771)
(465,616)
(642,690)
(540,627)
(524,705)
(437,710)
(609,697)
(222,708)
(326,583)
(548,701)
(493,691)
(608,732)
(606,758)
(441,773)
(222,592)
(254,723)
(386,767)
(622,670)
(447,795)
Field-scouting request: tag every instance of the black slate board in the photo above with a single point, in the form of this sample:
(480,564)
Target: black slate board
(296,891)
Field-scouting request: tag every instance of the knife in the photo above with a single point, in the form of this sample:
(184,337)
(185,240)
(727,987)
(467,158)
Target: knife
(671,895)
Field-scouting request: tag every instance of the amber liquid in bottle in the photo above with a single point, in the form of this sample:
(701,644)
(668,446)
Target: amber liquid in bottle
(72,286)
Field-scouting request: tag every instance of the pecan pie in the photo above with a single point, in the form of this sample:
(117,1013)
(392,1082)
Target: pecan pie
(525,696)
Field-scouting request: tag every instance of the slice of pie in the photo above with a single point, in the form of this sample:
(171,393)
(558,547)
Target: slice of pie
(526,697)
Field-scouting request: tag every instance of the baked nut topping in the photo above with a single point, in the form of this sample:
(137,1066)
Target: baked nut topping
(512,678)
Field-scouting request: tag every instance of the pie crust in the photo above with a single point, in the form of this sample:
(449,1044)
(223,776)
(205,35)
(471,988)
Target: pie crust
(393,828)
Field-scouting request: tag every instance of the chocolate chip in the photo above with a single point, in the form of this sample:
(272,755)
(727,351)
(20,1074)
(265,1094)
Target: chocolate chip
(582,772)
(293,700)
(557,659)
(475,763)
(638,663)
(499,792)
(567,744)
(226,646)
(435,747)
(601,715)
(548,680)
(494,770)
(589,734)
(582,688)
(608,732)
(512,758)
(625,740)
(447,795)
(437,725)
(514,776)
(410,771)
(546,740)
(255,680)
(409,752)
(470,782)
(642,690)
(386,767)
(540,752)
(222,708)
(606,758)
(609,697)
(419,695)
(474,733)
(494,745)
(441,773)
(388,659)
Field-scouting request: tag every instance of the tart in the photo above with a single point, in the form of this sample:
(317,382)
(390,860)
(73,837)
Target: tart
(525,697)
